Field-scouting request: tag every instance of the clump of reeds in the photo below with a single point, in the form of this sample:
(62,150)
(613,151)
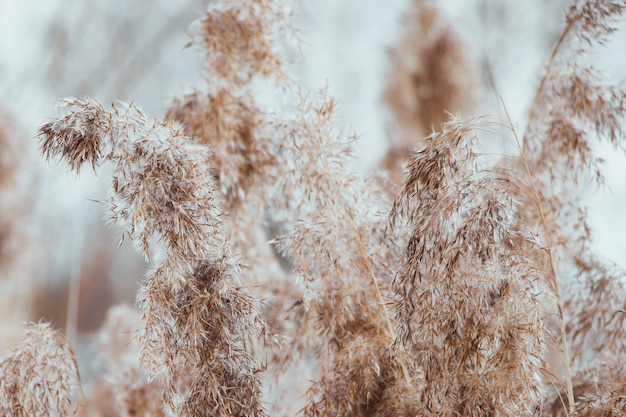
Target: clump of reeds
(575,106)
(240,42)
(340,253)
(439,301)
(198,322)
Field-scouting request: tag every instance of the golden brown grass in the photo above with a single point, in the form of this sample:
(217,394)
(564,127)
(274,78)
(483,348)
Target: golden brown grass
(430,75)
(441,299)
(38,374)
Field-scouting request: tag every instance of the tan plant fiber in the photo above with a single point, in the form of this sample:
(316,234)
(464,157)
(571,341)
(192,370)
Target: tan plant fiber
(441,297)
(339,250)
(473,276)
(198,321)
(241,40)
(575,106)
(38,376)
(242,48)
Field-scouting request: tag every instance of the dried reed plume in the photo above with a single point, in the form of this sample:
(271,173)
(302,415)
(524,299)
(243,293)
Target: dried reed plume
(429,76)
(574,106)
(38,375)
(240,46)
(226,115)
(240,41)
(469,283)
(339,250)
(234,127)
(198,322)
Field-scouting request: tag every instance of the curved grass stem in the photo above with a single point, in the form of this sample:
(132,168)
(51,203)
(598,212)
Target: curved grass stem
(565,358)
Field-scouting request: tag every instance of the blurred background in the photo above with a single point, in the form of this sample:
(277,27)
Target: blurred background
(54,243)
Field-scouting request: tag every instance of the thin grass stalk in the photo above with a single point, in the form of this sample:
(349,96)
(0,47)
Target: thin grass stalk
(565,358)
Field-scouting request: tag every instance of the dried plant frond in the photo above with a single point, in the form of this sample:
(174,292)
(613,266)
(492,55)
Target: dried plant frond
(572,93)
(468,285)
(597,313)
(234,128)
(430,76)
(338,248)
(202,323)
(579,107)
(37,377)
(198,322)
(160,175)
(241,39)
(593,20)
(401,400)
(607,398)
(242,43)
(355,381)
(574,107)
(329,213)
(82,131)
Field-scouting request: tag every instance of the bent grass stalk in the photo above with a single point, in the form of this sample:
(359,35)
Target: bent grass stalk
(553,280)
